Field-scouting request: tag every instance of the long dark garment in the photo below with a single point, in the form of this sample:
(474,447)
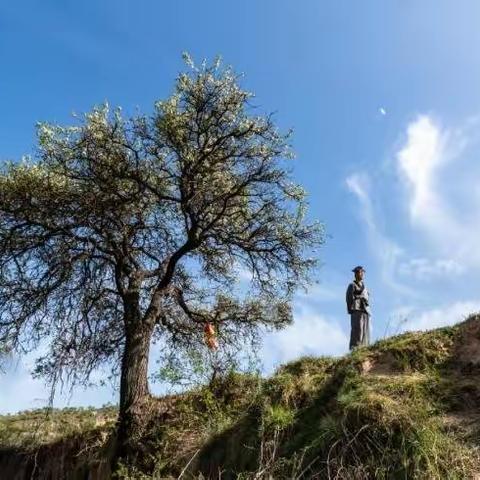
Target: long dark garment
(360,332)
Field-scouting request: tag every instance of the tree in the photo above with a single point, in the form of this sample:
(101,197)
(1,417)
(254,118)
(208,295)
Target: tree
(123,231)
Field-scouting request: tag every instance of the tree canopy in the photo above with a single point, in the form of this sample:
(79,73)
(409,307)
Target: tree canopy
(127,228)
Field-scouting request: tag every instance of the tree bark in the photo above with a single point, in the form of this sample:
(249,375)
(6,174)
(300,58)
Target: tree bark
(134,391)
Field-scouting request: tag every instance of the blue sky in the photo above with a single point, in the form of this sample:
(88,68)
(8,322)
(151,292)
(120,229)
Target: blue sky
(384,99)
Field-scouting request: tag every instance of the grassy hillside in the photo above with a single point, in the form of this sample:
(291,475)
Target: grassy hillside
(406,407)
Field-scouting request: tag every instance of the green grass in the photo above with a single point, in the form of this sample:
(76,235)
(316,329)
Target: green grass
(32,428)
(379,412)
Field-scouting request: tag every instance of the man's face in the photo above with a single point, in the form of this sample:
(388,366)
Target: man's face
(359,274)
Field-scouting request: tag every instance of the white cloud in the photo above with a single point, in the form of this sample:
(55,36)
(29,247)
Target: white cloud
(318,292)
(243,274)
(429,162)
(418,161)
(443,201)
(310,334)
(442,316)
(382,111)
(425,268)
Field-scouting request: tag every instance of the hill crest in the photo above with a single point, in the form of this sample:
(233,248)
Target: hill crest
(405,407)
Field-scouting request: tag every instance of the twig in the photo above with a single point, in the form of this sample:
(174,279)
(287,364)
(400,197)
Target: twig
(306,468)
(186,466)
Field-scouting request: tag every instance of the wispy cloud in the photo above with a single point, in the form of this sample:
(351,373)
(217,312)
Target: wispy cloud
(431,165)
(385,250)
(426,268)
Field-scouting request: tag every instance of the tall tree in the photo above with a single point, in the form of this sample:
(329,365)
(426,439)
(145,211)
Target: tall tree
(123,231)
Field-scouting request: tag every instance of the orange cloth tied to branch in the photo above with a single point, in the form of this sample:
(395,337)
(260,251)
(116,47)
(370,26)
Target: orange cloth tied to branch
(210,336)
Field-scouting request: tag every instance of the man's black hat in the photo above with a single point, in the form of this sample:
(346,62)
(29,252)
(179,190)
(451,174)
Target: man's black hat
(359,267)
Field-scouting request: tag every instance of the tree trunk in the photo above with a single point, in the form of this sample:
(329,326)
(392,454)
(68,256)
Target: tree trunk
(134,392)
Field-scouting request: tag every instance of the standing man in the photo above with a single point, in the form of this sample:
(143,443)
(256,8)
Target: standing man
(359,310)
